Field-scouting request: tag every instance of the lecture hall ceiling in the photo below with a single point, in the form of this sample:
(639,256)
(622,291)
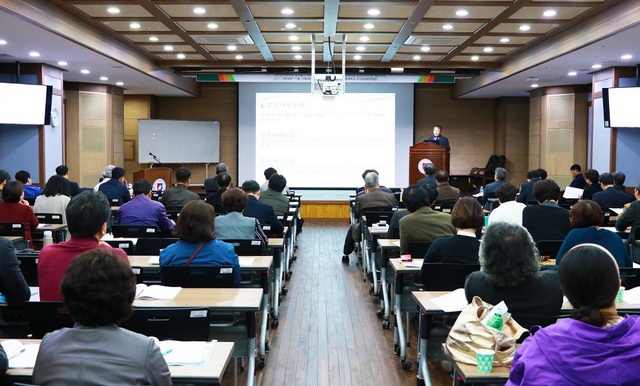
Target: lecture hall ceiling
(466,38)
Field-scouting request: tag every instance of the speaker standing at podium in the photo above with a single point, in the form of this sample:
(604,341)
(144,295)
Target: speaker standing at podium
(437,138)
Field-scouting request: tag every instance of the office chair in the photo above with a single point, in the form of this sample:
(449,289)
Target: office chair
(418,249)
(197,276)
(49,218)
(28,262)
(126,245)
(170,323)
(446,276)
(135,231)
(15,229)
(246,247)
(44,317)
(152,246)
(549,248)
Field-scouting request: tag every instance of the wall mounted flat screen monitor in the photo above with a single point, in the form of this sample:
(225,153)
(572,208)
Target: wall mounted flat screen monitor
(620,106)
(25,104)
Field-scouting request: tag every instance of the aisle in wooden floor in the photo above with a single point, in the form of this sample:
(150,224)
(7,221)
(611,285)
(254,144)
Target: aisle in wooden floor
(328,331)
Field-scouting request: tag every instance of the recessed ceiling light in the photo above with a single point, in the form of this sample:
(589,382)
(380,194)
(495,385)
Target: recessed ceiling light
(534,85)
(357,57)
(287,11)
(447,27)
(369,26)
(298,56)
(487,49)
(134,25)
(168,48)
(232,48)
(524,27)
(104,78)
(62,63)
(181,56)
(113,10)
(153,38)
(416,57)
(572,73)
(119,83)
(295,48)
(294,38)
(626,57)
(85,71)
(199,10)
(364,38)
(212,26)
(34,54)
(597,66)
(373,12)
(475,58)
(361,48)
(425,48)
(504,40)
(290,25)
(549,13)
(2,42)
(462,12)
(239,57)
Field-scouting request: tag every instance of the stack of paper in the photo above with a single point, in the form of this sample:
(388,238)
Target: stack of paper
(185,353)
(161,292)
(21,356)
(453,301)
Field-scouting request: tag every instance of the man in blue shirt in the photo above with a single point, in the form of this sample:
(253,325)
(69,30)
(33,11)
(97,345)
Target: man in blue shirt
(30,190)
(142,210)
(115,188)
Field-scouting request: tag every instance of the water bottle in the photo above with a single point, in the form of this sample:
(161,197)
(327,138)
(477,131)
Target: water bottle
(47,239)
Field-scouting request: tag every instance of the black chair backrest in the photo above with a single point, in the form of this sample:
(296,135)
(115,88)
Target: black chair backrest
(630,277)
(173,214)
(418,249)
(115,202)
(266,228)
(197,277)
(446,276)
(135,231)
(49,218)
(246,247)
(44,317)
(490,168)
(376,216)
(170,323)
(28,262)
(152,246)
(126,245)
(156,194)
(549,247)
(11,229)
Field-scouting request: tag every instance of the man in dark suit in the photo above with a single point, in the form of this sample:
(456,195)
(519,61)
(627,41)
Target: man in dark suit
(578,179)
(211,184)
(430,176)
(546,221)
(610,197)
(63,171)
(437,138)
(593,186)
(215,199)
(116,188)
(179,195)
(490,189)
(259,210)
(526,189)
(618,184)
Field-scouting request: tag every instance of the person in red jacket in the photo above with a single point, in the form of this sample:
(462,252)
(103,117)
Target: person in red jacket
(16,209)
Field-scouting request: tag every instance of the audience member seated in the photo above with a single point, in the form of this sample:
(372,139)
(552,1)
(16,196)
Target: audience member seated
(116,187)
(55,198)
(215,199)
(196,230)
(595,346)
(142,210)
(17,210)
(509,209)
(30,190)
(578,179)
(592,187)
(12,284)
(87,215)
(262,212)
(98,291)
(273,195)
(546,221)
(490,189)
(511,272)
(394,224)
(63,171)
(268,172)
(106,176)
(446,192)
(361,190)
(526,189)
(234,225)
(630,216)
(610,197)
(423,224)
(618,184)
(4,178)
(179,195)
(467,217)
(372,198)
(430,176)
(211,184)
(586,218)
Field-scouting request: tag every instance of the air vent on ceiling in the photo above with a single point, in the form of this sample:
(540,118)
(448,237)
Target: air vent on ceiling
(435,40)
(223,39)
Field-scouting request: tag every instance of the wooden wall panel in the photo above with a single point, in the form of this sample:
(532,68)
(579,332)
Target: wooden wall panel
(324,209)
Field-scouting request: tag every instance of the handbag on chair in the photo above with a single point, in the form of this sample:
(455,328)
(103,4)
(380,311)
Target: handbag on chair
(469,334)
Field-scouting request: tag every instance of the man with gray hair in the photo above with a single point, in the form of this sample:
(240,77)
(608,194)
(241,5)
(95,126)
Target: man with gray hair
(211,184)
(373,197)
(106,176)
(490,189)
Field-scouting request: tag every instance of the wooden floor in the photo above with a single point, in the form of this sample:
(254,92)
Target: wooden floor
(328,331)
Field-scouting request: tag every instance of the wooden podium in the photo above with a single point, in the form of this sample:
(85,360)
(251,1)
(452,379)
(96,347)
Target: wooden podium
(152,174)
(438,155)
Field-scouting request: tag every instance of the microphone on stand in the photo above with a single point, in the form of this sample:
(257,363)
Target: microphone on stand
(155,158)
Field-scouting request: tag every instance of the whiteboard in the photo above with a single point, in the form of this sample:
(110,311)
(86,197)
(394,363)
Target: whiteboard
(178,141)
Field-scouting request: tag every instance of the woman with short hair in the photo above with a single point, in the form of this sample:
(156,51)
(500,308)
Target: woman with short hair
(15,209)
(55,199)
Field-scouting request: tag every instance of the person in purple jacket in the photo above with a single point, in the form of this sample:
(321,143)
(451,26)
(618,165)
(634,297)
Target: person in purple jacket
(595,346)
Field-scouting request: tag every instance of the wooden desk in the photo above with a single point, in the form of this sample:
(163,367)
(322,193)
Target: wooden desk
(470,374)
(278,247)
(210,372)
(386,245)
(56,231)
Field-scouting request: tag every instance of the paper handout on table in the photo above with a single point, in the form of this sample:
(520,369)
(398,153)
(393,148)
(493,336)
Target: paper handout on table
(570,192)
(453,301)
(246,261)
(185,353)
(161,292)
(21,356)
(632,296)
(154,260)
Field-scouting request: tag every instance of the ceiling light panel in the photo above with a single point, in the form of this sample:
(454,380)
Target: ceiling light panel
(459,26)
(562,13)
(514,28)
(475,11)
(388,10)
(210,10)
(102,10)
(300,11)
